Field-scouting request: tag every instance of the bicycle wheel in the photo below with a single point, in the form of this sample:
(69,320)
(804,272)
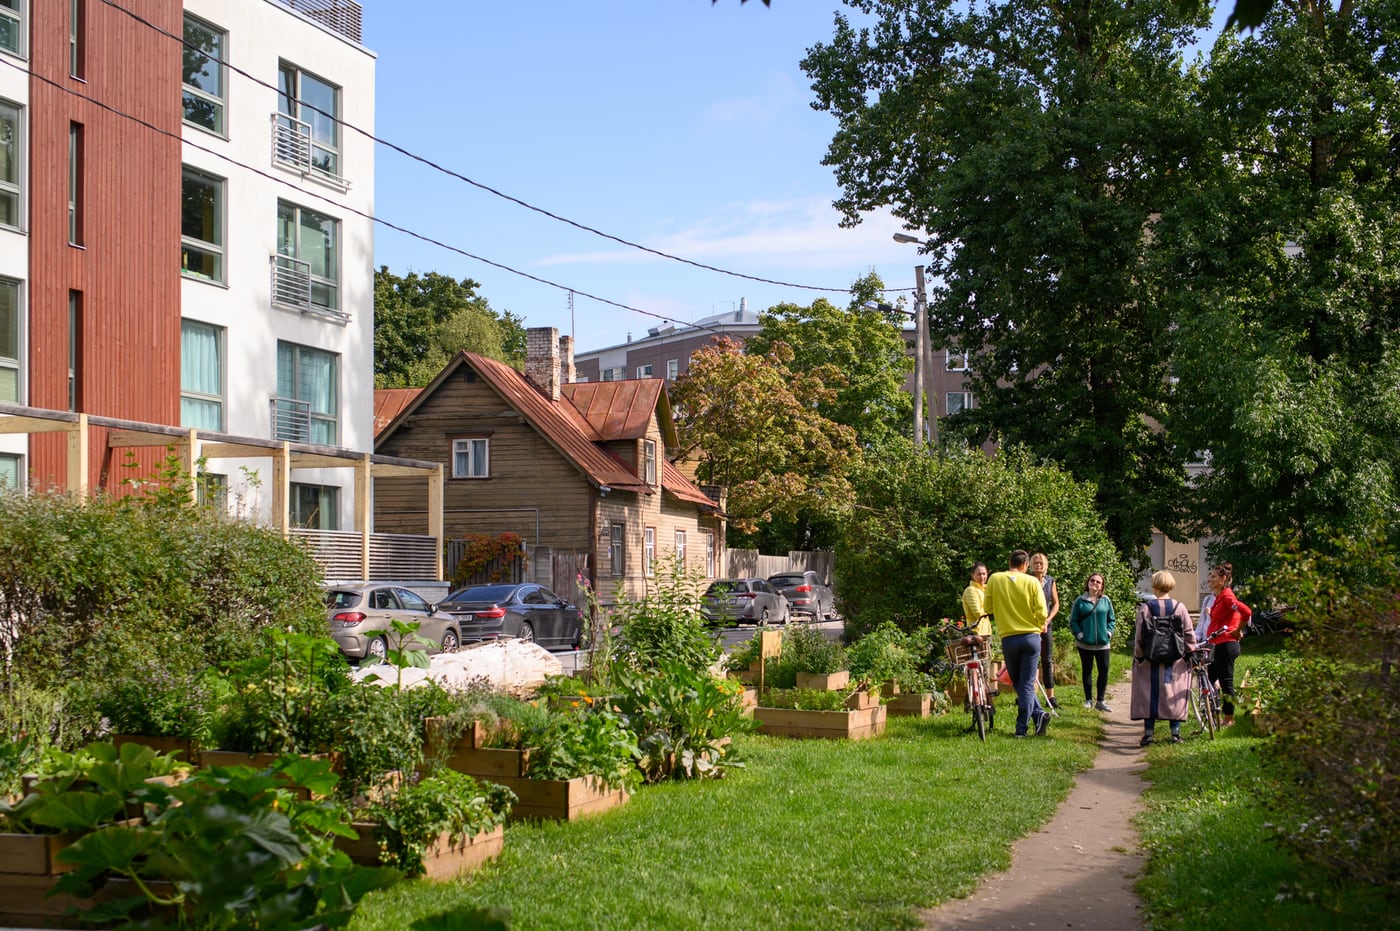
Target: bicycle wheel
(1209,710)
(977,699)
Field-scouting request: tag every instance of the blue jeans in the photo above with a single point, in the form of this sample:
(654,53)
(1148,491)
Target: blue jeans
(1022,655)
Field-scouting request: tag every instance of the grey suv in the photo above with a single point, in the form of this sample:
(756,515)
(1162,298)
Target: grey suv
(806,593)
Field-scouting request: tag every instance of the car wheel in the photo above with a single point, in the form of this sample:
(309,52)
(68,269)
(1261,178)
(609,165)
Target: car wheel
(527,633)
(377,651)
(764,619)
(450,642)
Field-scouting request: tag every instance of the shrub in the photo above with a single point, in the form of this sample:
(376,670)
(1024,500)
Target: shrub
(805,649)
(887,653)
(1339,742)
(922,521)
(681,720)
(666,626)
(409,819)
(590,740)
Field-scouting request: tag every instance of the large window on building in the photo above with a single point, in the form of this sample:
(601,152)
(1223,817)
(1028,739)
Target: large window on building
(12,31)
(201,225)
(955,361)
(649,461)
(471,458)
(9,340)
(308,243)
(201,375)
(11,148)
(204,76)
(310,107)
(315,507)
(308,395)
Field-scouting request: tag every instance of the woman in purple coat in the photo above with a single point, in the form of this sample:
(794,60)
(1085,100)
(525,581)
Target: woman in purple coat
(1161,690)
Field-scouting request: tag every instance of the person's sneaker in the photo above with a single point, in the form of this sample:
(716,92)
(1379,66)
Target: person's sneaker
(1042,723)
(1088,704)
(1100,706)
(1176,739)
(1146,739)
(1018,736)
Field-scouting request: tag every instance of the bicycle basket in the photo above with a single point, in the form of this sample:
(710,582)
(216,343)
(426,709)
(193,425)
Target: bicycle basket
(964,651)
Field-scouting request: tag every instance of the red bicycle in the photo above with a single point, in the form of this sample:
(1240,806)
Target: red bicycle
(971,656)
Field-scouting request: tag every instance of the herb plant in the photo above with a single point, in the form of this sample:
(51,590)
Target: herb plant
(411,818)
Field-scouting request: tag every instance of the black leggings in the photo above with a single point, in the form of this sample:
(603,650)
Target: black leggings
(1047,661)
(1222,670)
(1087,659)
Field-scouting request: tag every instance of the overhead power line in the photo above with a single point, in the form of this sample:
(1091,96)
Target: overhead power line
(452,173)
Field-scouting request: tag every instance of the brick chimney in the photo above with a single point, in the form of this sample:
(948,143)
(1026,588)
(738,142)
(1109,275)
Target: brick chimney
(567,373)
(542,360)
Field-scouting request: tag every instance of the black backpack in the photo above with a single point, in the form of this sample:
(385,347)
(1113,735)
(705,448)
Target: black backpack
(1163,640)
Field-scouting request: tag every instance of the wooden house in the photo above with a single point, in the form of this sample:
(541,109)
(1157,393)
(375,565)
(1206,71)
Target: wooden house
(579,470)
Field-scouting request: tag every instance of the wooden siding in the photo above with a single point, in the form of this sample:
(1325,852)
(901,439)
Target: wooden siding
(527,473)
(127,267)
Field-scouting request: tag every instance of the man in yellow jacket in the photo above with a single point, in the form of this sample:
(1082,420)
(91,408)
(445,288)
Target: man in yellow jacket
(1017,602)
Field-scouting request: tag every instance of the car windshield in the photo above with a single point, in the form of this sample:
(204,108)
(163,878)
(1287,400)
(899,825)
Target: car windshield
(338,599)
(491,593)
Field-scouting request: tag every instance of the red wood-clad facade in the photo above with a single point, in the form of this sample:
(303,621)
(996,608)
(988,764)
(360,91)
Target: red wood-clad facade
(124,268)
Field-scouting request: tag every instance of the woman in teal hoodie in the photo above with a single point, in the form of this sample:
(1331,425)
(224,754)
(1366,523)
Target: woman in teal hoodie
(1091,621)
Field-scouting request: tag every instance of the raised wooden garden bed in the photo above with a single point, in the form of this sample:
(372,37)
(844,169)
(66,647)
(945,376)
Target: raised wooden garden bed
(824,681)
(25,901)
(539,799)
(34,854)
(836,725)
(910,705)
(447,859)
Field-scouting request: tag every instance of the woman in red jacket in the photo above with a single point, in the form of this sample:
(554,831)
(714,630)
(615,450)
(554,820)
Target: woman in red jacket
(1228,619)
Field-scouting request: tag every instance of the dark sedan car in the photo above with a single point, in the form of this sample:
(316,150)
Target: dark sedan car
(744,600)
(525,611)
(361,620)
(806,593)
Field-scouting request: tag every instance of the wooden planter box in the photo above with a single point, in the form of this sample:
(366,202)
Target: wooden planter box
(860,701)
(179,747)
(559,799)
(824,681)
(25,901)
(889,688)
(910,705)
(836,725)
(447,859)
(539,799)
(35,854)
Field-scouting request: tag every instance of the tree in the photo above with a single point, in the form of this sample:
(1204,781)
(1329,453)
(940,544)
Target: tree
(920,522)
(421,321)
(857,351)
(758,430)
(1034,142)
(1289,361)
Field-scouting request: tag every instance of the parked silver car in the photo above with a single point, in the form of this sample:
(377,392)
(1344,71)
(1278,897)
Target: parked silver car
(806,593)
(744,600)
(361,620)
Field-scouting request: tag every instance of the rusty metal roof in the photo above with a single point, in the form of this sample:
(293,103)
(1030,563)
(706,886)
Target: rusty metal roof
(677,484)
(389,403)
(618,410)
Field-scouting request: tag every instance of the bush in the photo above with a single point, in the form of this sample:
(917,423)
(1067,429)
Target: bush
(666,626)
(409,819)
(1339,739)
(887,653)
(682,721)
(805,649)
(923,521)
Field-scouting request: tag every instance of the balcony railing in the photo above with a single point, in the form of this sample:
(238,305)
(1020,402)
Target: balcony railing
(341,16)
(291,420)
(293,147)
(391,555)
(291,283)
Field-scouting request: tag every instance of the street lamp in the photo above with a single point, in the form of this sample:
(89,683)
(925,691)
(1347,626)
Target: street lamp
(923,358)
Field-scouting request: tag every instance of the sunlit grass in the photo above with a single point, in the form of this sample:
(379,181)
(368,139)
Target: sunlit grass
(812,834)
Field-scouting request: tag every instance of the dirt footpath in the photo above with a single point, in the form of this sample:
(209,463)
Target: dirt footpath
(1078,870)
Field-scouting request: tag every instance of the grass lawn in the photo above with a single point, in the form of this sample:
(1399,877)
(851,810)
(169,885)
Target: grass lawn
(1212,858)
(813,834)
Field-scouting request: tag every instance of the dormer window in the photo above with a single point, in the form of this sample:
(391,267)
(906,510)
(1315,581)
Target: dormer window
(649,461)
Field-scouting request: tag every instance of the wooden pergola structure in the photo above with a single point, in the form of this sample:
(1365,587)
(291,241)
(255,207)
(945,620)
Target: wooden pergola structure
(193,445)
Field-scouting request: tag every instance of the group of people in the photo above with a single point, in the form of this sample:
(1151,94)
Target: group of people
(1025,600)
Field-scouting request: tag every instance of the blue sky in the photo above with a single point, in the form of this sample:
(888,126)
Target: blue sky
(676,124)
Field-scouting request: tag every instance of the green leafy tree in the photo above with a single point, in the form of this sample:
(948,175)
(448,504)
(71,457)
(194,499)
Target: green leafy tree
(920,522)
(1289,363)
(421,321)
(858,351)
(1034,143)
(757,428)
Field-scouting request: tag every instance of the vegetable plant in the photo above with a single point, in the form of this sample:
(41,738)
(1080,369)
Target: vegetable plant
(409,819)
(682,721)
